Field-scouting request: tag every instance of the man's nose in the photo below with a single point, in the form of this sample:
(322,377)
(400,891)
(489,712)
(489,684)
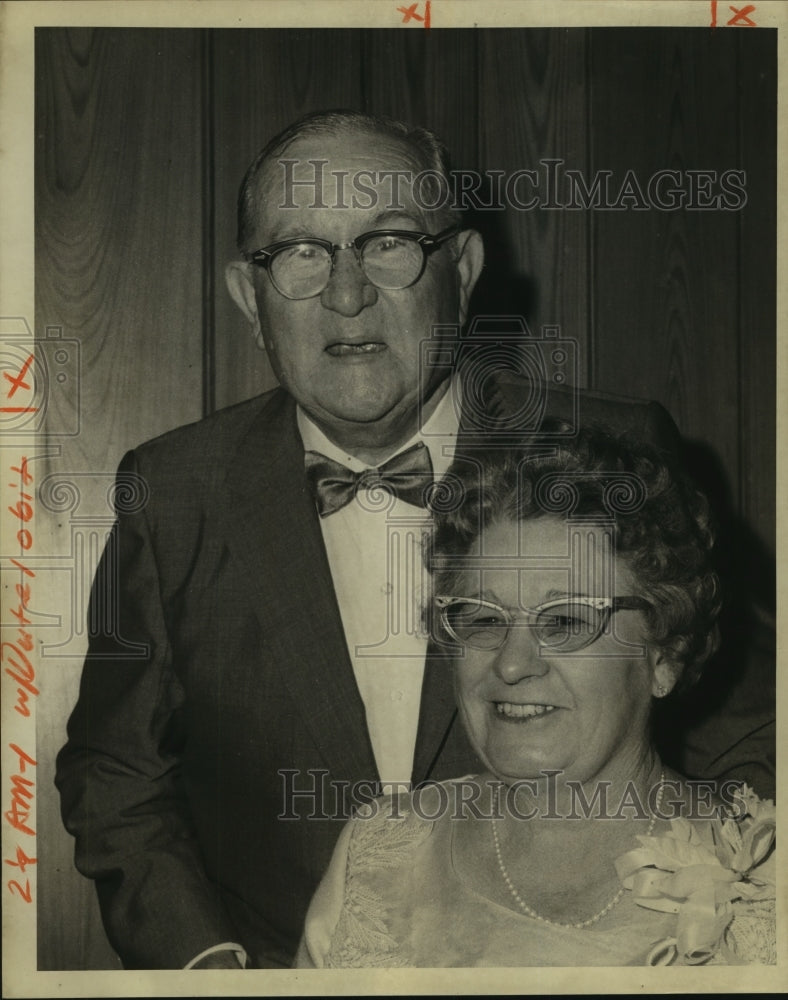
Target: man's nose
(520,656)
(349,290)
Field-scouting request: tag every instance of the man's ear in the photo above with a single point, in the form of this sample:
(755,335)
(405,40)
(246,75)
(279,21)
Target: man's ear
(241,289)
(664,673)
(469,266)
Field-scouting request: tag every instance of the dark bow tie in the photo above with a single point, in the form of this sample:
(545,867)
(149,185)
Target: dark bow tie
(407,476)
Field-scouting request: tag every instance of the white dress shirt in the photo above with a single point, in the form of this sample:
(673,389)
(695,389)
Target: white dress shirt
(374,547)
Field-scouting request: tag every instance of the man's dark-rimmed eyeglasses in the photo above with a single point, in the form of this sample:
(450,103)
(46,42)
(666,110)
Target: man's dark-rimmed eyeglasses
(390,258)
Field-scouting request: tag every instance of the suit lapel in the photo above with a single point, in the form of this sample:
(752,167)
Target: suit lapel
(438,712)
(436,716)
(273,531)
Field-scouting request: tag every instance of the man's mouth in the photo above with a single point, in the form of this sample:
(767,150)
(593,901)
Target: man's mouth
(513,711)
(342,349)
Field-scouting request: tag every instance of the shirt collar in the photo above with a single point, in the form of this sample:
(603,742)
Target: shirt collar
(439,434)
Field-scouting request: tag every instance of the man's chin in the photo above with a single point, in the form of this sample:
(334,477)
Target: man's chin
(364,428)
(371,403)
(358,416)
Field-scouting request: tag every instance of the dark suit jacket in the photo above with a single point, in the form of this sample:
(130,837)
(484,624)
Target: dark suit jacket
(217,662)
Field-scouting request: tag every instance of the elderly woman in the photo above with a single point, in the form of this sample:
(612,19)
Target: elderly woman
(573,591)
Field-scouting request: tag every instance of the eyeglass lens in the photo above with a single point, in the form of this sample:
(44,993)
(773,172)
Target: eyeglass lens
(569,626)
(389,262)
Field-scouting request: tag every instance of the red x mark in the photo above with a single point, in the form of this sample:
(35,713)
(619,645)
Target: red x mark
(740,16)
(410,12)
(19,381)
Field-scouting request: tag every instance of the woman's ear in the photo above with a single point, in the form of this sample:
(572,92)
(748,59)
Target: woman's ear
(241,288)
(664,673)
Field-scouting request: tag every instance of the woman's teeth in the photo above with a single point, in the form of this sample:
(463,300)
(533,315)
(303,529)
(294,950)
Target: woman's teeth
(521,711)
(340,349)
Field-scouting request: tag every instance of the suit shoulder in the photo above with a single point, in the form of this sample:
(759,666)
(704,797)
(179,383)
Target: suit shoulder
(512,385)
(210,435)
(644,419)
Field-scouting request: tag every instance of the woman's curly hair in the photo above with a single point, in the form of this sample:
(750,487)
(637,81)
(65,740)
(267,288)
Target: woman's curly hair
(660,523)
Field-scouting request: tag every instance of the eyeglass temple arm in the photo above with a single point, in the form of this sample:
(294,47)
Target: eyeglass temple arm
(629,604)
(429,242)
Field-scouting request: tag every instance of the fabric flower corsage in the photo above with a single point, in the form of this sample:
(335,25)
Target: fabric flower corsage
(719,876)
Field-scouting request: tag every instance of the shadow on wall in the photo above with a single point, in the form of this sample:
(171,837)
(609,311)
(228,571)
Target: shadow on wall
(500,290)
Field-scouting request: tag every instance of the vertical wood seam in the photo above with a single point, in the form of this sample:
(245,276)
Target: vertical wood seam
(208,210)
(743,423)
(590,234)
(363,60)
(479,165)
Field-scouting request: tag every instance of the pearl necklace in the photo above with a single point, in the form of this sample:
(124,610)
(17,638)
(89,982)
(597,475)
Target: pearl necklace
(557,923)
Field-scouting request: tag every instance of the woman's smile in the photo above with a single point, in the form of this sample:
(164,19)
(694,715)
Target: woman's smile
(509,711)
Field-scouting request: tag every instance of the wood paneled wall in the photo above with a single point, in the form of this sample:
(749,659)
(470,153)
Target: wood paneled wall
(142,137)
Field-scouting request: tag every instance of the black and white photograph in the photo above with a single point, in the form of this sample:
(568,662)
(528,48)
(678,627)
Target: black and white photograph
(389,432)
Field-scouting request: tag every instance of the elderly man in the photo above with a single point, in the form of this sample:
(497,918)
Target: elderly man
(268,670)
